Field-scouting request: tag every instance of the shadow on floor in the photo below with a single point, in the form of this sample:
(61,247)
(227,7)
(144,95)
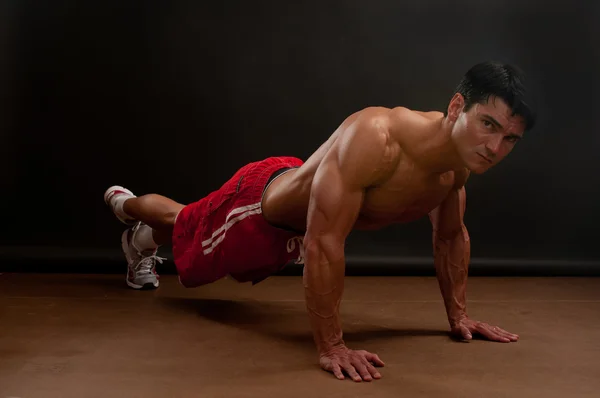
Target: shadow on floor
(284,321)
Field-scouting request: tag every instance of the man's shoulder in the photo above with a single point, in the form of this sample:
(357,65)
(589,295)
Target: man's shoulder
(404,112)
(409,127)
(402,125)
(396,116)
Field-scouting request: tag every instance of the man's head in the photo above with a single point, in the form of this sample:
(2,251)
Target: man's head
(489,114)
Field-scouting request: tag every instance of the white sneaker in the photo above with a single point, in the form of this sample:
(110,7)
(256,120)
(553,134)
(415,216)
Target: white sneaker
(109,198)
(141,266)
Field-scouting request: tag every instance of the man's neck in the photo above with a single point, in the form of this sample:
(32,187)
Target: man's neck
(440,155)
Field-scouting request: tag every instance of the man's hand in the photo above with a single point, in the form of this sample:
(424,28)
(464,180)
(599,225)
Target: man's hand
(359,365)
(466,327)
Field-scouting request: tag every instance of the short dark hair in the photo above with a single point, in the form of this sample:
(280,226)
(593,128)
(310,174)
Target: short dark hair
(494,79)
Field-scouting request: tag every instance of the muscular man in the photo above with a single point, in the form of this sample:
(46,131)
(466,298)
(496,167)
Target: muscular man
(381,166)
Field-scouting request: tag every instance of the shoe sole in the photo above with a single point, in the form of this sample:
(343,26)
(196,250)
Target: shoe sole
(107,195)
(145,286)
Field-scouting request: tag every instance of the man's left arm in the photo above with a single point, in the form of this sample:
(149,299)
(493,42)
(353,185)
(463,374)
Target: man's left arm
(452,251)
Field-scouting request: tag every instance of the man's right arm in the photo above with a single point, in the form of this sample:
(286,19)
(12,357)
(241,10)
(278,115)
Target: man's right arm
(356,161)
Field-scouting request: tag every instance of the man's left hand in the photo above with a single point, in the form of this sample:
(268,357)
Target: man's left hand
(465,329)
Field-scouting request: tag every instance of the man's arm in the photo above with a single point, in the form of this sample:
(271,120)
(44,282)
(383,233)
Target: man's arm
(452,251)
(354,162)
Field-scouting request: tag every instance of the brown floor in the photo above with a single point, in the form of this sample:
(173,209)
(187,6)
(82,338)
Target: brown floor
(90,336)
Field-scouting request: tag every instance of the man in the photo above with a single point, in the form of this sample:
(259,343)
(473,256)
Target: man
(381,166)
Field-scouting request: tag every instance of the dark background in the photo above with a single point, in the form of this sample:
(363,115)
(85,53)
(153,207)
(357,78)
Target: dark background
(172,97)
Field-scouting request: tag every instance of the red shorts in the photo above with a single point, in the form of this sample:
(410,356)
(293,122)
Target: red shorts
(225,233)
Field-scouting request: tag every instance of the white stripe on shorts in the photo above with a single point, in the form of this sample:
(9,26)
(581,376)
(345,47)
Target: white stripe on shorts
(240,213)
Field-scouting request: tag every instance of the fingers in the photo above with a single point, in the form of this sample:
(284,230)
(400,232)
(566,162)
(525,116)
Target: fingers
(337,371)
(511,336)
(361,367)
(504,333)
(495,333)
(465,332)
(373,358)
(356,364)
(351,371)
(487,331)
(371,369)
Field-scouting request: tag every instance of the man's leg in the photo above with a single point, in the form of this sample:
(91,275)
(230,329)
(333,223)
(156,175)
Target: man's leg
(152,218)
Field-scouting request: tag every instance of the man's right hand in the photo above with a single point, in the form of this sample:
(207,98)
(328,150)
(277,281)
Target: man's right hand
(359,365)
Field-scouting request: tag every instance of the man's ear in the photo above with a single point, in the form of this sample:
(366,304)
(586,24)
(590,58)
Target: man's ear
(455,107)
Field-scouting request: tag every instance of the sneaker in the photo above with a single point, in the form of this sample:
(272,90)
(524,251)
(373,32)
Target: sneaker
(141,266)
(112,193)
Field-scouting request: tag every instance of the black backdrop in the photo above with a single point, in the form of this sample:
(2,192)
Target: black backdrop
(173,97)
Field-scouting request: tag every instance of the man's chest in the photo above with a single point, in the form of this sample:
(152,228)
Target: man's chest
(409,194)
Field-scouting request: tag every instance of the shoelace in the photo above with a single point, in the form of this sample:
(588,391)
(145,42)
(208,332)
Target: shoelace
(291,246)
(147,263)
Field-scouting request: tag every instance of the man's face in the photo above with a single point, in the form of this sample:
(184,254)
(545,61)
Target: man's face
(485,134)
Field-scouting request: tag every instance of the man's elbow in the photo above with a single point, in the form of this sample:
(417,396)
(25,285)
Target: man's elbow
(323,249)
(453,232)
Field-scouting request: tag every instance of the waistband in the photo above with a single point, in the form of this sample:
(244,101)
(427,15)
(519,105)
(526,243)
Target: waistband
(276,174)
(263,173)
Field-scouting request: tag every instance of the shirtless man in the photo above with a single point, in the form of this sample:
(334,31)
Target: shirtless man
(381,166)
